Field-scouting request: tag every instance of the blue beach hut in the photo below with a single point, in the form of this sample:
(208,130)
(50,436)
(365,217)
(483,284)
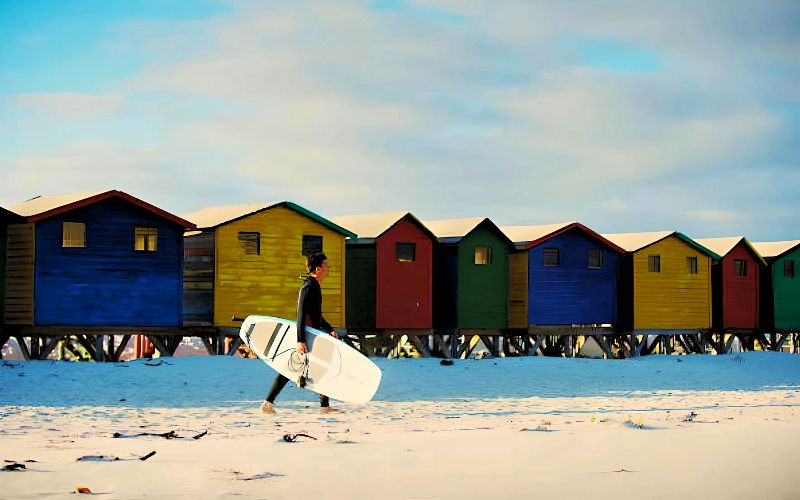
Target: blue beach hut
(97,259)
(567,274)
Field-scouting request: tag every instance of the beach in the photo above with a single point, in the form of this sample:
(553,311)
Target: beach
(655,427)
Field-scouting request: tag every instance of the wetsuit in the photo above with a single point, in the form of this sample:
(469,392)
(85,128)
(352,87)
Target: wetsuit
(309,312)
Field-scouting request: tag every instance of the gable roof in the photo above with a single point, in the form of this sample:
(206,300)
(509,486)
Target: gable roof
(457,229)
(774,249)
(44,207)
(214,217)
(530,236)
(633,242)
(372,226)
(723,246)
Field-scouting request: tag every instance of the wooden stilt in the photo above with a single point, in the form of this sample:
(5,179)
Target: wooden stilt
(729,343)
(641,346)
(235,346)
(84,341)
(601,341)
(118,352)
(778,344)
(159,345)
(536,345)
(419,344)
(48,348)
(98,348)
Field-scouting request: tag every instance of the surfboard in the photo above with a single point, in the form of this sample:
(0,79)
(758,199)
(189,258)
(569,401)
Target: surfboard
(334,368)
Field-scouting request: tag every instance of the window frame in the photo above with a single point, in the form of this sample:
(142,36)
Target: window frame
(691,264)
(589,258)
(654,263)
(305,248)
(244,242)
(405,246)
(740,268)
(485,257)
(67,229)
(551,252)
(148,234)
(789,269)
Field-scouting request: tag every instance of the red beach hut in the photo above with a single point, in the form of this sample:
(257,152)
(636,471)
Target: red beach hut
(735,283)
(400,250)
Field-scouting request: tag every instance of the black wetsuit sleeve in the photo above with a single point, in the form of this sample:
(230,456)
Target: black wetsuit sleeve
(302,299)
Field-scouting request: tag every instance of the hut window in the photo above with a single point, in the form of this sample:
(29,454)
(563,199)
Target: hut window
(595,258)
(74,235)
(406,252)
(312,245)
(483,256)
(654,263)
(739,267)
(250,243)
(145,239)
(788,268)
(551,257)
(691,265)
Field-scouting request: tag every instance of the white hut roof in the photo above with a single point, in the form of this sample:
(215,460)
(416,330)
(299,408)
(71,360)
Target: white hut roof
(211,217)
(453,228)
(632,242)
(524,234)
(771,249)
(723,246)
(214,216)
(369,225)
(41,204)
(720,245)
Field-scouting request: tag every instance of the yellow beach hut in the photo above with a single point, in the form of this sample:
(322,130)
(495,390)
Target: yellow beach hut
(665,285)
(250,259)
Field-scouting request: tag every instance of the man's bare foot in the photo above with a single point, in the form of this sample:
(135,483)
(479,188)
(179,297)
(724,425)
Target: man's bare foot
(328,409)
(267,407)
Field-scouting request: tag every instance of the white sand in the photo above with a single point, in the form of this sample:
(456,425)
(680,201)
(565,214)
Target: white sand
(741,444)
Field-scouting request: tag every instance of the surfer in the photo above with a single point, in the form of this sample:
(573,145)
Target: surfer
(309,312)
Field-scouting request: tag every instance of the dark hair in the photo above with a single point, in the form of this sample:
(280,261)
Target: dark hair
(314,261)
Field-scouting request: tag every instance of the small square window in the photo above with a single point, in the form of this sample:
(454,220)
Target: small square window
(551,257)
(691,265)
(73,235)
(250,243)
(406,252)
(788,268)
(311,245)
(654,263)
(739,267)
(595,258)
(145,239)
(483,256)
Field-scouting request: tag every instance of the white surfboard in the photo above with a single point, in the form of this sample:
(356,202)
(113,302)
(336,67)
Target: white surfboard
(334,368)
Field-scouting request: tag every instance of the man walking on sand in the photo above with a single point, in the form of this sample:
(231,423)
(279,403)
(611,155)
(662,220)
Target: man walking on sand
(309,312)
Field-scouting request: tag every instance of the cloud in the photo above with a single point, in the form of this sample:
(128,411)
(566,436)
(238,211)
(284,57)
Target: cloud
(444,108)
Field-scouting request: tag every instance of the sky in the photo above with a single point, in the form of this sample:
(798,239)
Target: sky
(625,116)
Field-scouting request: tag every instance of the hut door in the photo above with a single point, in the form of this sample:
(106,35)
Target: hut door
(20,258)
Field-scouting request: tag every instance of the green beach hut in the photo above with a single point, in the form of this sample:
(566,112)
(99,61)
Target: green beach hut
(780,286)
(470,282)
